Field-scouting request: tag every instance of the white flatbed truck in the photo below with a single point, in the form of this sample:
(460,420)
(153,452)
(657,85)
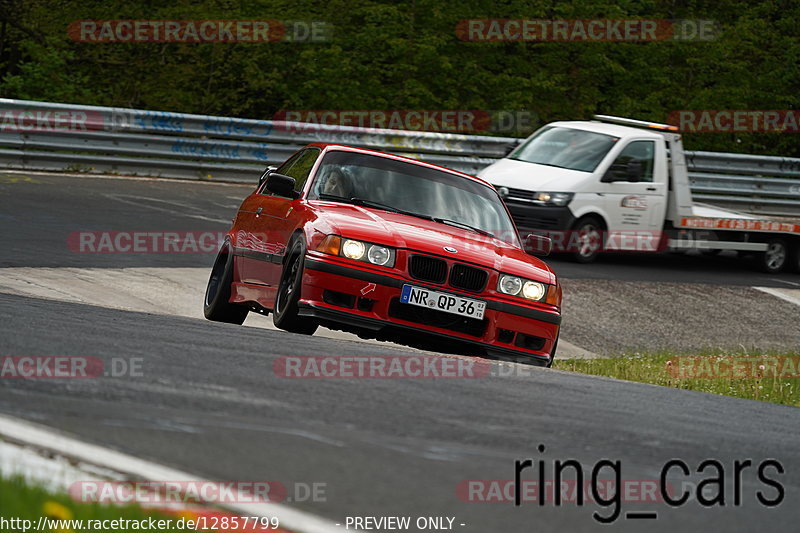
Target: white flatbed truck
(617,184)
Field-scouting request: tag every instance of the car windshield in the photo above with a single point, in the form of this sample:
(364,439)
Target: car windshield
(565,148)
(414,190)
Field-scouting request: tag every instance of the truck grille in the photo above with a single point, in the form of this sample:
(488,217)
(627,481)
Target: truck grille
(427,268)
(534,222)
(518,195)
(468,278)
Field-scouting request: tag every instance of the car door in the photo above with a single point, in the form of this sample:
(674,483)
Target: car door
(274,220)
(634,189)
(249,246)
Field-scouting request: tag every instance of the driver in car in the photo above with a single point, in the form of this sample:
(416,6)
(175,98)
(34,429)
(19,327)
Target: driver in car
(337,183)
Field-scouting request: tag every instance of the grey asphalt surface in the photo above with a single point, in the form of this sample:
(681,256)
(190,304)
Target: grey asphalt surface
(610,317)
(209,402)
(39,215)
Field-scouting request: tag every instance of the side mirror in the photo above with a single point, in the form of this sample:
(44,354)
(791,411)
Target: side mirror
(266,173)
(538,245)
(281,185)
(510,147)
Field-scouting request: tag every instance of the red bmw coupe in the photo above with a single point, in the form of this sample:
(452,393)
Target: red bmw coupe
(390,248)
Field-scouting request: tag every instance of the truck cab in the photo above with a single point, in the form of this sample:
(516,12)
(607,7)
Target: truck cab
(618,184)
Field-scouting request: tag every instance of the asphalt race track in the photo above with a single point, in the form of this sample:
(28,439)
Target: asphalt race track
(208,400)
(40,211)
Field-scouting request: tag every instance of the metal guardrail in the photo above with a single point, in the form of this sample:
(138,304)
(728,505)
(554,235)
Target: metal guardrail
(754,183)
(65,137)
(174,144)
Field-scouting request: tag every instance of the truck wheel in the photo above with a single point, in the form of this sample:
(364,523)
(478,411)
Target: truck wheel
(216,305)
(775,258)
(589,241)
(285,316)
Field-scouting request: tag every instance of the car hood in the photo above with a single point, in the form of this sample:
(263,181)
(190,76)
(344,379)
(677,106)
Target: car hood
(532,176)
(412,233)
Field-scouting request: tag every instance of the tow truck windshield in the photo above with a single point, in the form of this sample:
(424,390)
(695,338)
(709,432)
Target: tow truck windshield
(565,148)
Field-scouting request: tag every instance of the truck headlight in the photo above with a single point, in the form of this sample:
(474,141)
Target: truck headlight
(556,199)
(524,288)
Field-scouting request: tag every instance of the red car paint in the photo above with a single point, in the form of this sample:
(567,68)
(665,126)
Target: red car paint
(266,225)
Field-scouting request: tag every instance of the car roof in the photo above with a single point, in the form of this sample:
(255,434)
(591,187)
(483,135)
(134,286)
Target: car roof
(347,148)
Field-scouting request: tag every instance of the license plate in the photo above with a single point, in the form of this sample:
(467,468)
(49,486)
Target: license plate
(442,301)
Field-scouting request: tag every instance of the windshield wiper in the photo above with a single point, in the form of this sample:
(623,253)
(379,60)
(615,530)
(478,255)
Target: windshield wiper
(325,196)
(357,201)
(552,165)
(538,163)
(463,226)
(376,205)
(385,207)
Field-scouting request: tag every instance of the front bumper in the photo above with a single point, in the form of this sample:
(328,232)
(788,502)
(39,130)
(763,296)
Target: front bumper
(344,294)
(530,217)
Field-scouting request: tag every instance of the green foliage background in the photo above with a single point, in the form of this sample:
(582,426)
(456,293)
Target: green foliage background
(405,55)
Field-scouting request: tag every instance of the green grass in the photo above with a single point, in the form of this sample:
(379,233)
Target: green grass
(768,384)
(19,499)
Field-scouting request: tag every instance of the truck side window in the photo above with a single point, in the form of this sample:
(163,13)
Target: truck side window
(639,151)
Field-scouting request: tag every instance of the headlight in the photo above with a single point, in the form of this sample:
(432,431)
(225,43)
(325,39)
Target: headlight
(524,288)
(366,252)
(533,290)
(557,199)
(379,255)
(509,285)
(353,249)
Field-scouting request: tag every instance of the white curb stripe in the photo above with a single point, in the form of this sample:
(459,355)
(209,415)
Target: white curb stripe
(39,436)
(778,293)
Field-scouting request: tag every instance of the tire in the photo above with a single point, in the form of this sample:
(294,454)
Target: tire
(776,257)
(216,305)
(590,234)
(284,315)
